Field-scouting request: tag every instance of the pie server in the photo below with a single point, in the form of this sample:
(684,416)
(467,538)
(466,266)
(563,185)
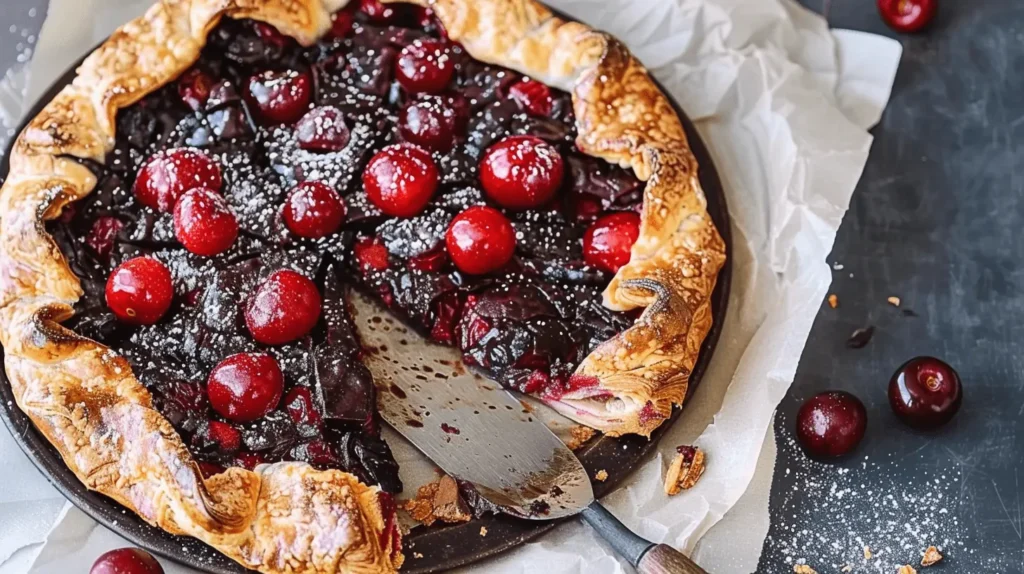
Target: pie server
(476,431)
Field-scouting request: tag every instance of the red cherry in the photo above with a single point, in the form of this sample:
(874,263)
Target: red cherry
(907,15)
(126,561)
(428,20)
(227,437)
(140,291)
(371,254)
(170,173)
(480,240)
(428,123)
(313,210)
(322,129)
(532,96)
(101,236)
(607,243)
(284,308)
(341,24)
(204,223)
(298,403)
(245,387)
(280,97)
(194,88)
(379,12)
(400,179)
(425,66)
(831,424)
(521,172)
(925,392)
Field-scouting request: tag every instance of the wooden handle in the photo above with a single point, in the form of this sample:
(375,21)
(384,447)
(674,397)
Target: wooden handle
(663,559)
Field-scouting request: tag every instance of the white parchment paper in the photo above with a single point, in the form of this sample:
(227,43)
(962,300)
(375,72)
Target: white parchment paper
(783,104)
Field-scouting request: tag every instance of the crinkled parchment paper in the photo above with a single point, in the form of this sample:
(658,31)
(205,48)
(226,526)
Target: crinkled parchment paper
(784,105)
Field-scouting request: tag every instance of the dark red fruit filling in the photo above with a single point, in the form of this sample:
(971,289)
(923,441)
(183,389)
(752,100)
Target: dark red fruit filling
(925,392)
(521,172)
(140,291)
(908,15)
(280,97)
(401,179)
(245,387)
(101,236)
(380,12)
(313,210)
(204,223)
(528,323)
(322,129)
(282,309)
(831,424)
(170,173)
(341,24)
(126,561)
(480,240)
(609,240)
(425,66)
(533,96)
(429,123)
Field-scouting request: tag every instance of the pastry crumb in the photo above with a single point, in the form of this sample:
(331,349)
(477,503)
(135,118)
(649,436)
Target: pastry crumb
(846,568)
(578,435)
(417,555)
(686,470)
(894,301)
(906,569)
(438,500)
(867,553)
(931,556)
(601,476)
(833,300)
(803,569)
(483,531)
(527,407)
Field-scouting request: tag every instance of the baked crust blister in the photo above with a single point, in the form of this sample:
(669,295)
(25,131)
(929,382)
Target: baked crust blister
(289,517)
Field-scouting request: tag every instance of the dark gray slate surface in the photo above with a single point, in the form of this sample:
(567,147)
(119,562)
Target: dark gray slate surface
(936,221)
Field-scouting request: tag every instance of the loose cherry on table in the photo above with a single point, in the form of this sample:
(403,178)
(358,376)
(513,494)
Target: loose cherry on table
(925,392)
(400,179)
(203,222)
(126,561)
(607,243)
(907,15)
(140,291)
(480,240)
(533,96)
(831,424)
(245,387)
(169,174)
(429,123)
(313,210)
(322,129)
(280,97)
(425,66)
(521,172)
(284,308)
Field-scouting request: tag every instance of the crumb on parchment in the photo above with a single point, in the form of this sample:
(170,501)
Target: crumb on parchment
(686,470)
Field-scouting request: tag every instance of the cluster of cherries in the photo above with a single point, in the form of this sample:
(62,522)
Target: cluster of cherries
(924,392)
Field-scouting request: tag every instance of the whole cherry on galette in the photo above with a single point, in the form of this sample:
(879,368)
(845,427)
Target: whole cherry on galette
(609,240)
(425,66)
(480,240)
(313,210)
(140,291)
(280,97)
(245,386)
(168,174)
(284,308)
(521,172)
(203,222)
(401,179)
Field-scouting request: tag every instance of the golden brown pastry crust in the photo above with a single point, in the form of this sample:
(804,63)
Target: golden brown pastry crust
(288,517)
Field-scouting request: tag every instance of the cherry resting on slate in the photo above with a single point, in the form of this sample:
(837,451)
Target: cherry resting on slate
(925,392)
(831,424)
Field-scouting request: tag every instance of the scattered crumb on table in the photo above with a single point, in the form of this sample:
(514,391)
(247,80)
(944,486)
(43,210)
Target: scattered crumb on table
(894,301)
(601,476)
(833,300)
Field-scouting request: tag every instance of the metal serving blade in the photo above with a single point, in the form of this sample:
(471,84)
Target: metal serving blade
(467,424)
